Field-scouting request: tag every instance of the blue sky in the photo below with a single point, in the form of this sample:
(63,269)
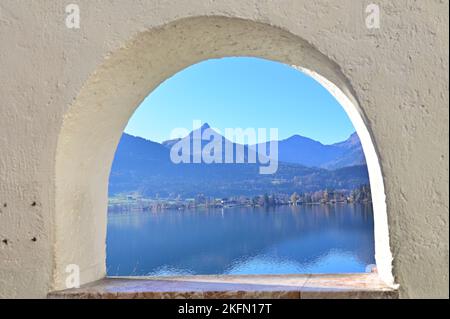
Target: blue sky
(242,92)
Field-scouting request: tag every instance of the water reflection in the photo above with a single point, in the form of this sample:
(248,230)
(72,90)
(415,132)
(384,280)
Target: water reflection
(303,239)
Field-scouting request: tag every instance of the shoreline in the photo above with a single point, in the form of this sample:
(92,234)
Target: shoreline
(132,207)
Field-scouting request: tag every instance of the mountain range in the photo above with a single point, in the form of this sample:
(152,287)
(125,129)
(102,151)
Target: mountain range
(298,150)
(145,166)
(308,152)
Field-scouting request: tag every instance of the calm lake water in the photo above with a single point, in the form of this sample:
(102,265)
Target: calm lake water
(282,240)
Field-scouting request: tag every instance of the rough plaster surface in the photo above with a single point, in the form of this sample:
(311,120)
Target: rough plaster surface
(66,96)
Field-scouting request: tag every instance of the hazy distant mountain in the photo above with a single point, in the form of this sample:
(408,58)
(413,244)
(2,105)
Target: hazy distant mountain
(353,153)
(305,151)
(145,166)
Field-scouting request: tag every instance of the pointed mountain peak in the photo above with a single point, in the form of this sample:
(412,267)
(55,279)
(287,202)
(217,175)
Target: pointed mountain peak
(200,130)
(205,126)
(297,137)
(351,141)
(353,137)
(300,139)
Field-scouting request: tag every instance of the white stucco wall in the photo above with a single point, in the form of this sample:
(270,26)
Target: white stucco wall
(67,94)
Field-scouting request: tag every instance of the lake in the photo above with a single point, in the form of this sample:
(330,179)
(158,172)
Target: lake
(281,240)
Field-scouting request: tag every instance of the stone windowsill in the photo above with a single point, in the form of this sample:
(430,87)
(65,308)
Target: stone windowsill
(361,286)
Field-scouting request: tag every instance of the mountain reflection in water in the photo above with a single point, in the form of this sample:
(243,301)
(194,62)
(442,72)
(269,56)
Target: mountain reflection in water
(281,240)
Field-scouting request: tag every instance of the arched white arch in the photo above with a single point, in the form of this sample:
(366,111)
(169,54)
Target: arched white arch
(383,255)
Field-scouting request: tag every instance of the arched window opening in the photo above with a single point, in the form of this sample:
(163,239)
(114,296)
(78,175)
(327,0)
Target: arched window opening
(240,166)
